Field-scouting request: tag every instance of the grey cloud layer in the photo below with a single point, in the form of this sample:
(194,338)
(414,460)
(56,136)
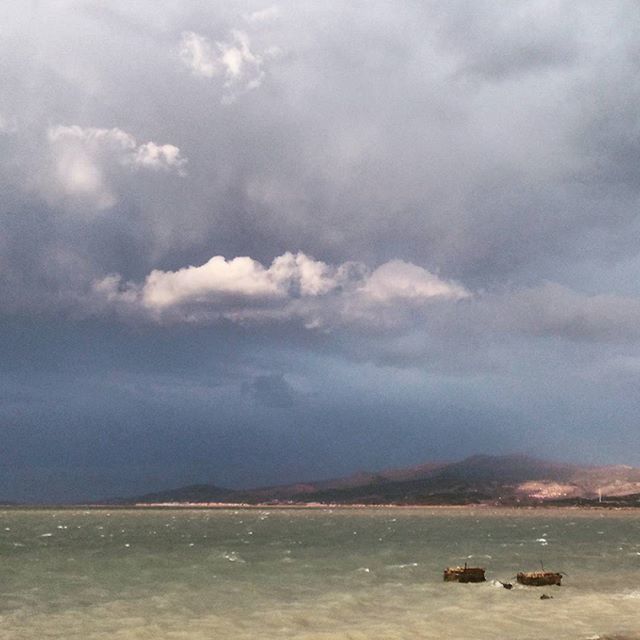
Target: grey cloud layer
(446,190)
(395,296)
(478,142)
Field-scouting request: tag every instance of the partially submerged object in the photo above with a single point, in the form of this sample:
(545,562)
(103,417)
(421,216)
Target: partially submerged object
(539,578)
(464,574)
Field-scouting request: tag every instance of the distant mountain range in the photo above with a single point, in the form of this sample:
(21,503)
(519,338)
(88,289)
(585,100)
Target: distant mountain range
(509,480)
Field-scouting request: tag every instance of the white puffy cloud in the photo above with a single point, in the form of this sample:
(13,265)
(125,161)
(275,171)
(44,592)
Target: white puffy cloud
(263,15)
(241,68)
(293,286)
(310,277)
(164,157)
(241,276)
(197,53)
(397,279)
(84,158)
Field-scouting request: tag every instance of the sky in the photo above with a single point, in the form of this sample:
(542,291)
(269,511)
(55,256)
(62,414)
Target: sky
(247,243)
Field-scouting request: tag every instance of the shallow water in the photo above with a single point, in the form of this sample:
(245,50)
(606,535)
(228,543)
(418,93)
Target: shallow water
(314,574)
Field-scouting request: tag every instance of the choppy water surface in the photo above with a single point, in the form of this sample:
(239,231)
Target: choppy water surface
(321,574)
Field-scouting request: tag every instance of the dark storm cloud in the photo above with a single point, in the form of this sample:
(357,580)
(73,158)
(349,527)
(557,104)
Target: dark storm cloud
(437,206)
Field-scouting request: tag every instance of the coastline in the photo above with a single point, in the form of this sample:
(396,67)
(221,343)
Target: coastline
(317,506)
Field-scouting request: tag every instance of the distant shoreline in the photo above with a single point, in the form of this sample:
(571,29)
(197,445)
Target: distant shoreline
(314,506)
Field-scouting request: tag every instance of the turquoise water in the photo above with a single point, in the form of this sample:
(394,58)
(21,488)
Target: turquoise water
(314,574)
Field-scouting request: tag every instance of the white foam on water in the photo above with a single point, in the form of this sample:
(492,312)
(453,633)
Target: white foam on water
(233,556)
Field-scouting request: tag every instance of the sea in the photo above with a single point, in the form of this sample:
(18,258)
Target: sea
(315,573)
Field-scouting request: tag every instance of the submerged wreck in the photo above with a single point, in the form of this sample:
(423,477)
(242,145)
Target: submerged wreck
(539,578)
(464,574)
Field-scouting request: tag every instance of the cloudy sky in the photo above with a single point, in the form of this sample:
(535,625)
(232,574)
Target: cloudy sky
(248,243)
